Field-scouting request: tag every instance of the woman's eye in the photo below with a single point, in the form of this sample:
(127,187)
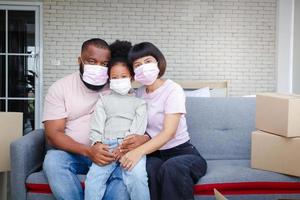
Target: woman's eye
(149,61)
(136,66)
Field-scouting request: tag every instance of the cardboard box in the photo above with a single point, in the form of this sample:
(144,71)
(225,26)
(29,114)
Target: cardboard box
(11,128)
(275,153)
(278,114)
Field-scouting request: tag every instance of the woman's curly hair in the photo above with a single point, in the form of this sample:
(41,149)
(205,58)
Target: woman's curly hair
(119,54)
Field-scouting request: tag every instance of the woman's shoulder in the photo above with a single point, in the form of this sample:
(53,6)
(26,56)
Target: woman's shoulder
(173,86)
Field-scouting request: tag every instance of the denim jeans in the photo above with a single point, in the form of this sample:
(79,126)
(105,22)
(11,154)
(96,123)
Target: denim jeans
(61,169)
(173,172)
(135,180)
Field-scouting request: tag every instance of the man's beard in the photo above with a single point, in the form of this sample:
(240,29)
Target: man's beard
(89,86)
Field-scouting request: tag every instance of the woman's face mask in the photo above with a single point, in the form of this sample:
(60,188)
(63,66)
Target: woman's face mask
(147,73)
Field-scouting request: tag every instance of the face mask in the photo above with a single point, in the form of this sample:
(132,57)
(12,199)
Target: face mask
(95,75)
(121,85)
(146,74)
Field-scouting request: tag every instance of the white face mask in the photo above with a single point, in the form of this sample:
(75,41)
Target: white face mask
(95,74)
(121,85)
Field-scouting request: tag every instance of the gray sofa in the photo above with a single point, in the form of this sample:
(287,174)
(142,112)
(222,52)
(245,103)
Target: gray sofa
(219,127)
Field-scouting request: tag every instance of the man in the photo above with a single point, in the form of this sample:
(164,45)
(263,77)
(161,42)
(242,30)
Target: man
(68,108)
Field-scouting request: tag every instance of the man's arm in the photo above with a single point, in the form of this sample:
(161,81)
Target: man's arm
(55,133)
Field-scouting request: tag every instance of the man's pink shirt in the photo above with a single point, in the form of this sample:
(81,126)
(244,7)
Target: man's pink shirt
(68,98)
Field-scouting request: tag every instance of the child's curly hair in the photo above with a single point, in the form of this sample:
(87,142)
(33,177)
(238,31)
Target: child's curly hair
(119,54)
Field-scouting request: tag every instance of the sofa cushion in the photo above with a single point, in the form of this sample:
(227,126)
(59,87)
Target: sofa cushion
(220,128)
(228,176)
(38,183)
(202,92)
(236,177)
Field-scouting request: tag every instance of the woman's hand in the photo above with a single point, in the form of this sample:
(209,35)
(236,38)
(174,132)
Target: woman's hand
(133,141)
(99,154)
(130,159)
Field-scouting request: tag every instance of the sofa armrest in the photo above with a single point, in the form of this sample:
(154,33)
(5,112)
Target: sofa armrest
(27,154)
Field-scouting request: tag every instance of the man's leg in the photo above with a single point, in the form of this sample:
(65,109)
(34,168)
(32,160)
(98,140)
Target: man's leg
(61,169)
(96,179)
(116,189)
(152,165)
(178,175)
(136,181)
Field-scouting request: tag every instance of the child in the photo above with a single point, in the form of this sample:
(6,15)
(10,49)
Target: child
(116,116)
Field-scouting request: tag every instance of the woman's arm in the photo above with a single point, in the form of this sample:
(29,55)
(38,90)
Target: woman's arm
(139,122)
(171,122)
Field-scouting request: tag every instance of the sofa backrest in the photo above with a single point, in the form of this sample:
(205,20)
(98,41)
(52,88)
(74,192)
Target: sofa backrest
(220,128)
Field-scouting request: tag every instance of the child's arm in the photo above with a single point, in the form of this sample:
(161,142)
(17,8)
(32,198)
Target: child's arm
(139,122)
(97,122)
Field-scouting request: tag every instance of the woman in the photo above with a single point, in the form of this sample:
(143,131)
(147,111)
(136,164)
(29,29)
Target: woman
(173,164)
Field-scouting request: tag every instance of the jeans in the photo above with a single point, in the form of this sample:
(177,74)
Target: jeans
(135,180)
(61,169)
(173,172)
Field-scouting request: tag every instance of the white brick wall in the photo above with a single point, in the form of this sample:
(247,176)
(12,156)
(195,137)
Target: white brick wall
(202,39)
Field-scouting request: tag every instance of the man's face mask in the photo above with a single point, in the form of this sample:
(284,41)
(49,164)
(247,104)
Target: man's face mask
(94,77)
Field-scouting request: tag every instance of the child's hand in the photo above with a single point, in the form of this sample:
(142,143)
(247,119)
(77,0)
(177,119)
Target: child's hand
(117,154)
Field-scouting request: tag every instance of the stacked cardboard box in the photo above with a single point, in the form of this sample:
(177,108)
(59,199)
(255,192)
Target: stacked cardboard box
(276,143)
(11,128)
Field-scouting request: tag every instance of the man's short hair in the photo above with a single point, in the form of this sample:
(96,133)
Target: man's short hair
(97,42)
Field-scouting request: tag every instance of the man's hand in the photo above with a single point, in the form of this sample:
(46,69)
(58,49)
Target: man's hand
(117,154)
(133,141)
(99,153)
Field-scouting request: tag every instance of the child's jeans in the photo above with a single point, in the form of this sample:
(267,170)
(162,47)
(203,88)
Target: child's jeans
(135,180)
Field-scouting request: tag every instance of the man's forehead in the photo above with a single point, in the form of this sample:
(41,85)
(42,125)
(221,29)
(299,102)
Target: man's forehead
(94,51)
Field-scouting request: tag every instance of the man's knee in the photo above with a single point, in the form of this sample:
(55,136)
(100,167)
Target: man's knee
(54,160)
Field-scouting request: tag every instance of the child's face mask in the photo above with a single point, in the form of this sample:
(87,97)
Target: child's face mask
(121,85)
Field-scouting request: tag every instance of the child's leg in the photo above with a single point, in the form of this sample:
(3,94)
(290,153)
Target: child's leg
(96,178)
(136,181)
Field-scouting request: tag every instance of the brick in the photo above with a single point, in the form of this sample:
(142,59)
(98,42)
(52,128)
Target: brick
(201,40)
